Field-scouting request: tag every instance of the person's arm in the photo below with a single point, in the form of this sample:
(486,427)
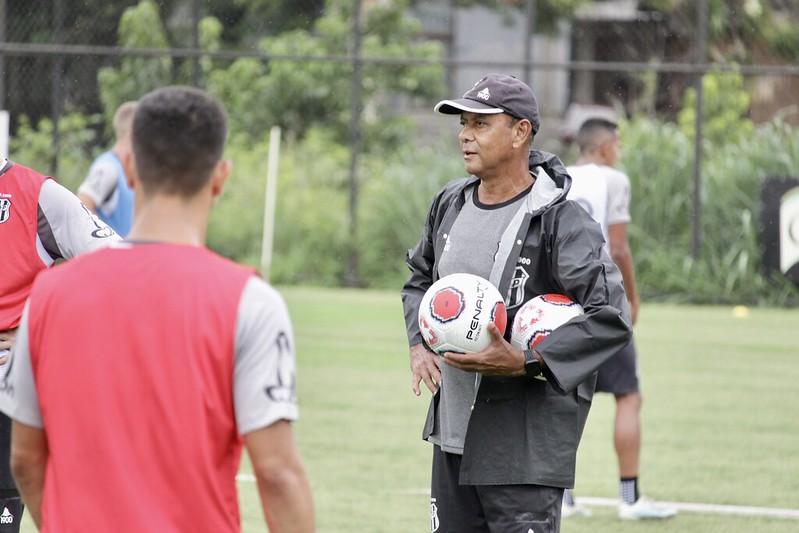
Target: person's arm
(265,401)
(99,184)
(88,201)
(6,342)
(283,485)
(421,262)
(66,228)
(622,255)
(29,453)
(619,195)
(424,367)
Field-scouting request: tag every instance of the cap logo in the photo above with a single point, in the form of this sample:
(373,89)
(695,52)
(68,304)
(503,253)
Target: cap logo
(484,94)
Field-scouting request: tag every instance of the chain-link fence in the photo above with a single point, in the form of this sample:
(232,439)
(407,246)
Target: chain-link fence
(613,58)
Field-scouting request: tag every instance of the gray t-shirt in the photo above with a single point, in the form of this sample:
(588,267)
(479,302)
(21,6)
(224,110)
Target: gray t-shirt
(470,247)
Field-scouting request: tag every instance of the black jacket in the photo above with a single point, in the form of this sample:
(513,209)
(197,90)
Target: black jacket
(524,430)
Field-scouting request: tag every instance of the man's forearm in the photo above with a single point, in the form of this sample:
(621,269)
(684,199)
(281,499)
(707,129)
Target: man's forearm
(29,454)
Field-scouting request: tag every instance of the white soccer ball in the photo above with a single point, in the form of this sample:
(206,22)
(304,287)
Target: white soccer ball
(455,312)
(538,317)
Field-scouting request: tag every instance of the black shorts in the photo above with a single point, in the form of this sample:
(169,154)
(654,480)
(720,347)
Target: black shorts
(456,508)
(619,374)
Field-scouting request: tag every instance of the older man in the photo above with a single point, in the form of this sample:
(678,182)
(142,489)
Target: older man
(505,443)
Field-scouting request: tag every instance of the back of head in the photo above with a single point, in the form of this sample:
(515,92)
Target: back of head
(123,119)
(178,138)
(594,132)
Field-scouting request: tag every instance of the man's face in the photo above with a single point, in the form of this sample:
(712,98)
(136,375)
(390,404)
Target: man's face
(486,142)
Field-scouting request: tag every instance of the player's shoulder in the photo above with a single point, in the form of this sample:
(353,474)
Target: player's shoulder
(261,305)
(616,176)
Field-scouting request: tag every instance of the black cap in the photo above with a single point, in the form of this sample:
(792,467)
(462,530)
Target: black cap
(496,93)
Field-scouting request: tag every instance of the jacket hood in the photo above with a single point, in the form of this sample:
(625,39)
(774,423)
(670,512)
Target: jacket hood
(552,182)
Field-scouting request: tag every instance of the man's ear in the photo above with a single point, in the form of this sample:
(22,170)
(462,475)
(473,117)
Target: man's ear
(129,166)
(523,130)
(220,176)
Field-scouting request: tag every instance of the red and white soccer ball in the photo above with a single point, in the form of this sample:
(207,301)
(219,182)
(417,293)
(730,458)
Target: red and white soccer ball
(455,312)
(539,317)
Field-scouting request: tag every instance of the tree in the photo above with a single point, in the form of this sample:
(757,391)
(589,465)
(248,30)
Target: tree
(299,92)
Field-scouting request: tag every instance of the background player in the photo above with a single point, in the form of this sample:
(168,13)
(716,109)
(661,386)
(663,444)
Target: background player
(40,222)
(605,193)
(130,419)
(105,190)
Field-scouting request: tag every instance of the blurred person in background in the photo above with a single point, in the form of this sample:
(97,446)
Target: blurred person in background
(106,190)
(604,192)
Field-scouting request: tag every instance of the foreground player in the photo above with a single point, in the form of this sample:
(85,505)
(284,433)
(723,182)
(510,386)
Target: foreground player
(129,419)
(605,193)
(41,222)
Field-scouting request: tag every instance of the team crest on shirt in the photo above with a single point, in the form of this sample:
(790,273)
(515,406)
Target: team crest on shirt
(5,209)
(284,390)
(516,288)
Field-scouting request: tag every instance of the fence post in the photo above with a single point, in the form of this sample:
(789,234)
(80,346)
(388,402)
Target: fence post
(57,89)
(701,53)
(195,66)
(351,275)
(528,43)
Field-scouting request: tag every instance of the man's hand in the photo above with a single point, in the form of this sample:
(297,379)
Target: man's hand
(6,342)
(424,365)
(499,359)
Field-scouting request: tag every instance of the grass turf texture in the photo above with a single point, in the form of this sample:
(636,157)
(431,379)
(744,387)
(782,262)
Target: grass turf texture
(719,418)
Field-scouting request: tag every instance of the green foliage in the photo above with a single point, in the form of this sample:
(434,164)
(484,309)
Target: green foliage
(283,15)
(659,159)
(32,146)
(725,106)
(236,224)
(737,28)
(548,12)
(396,195)
(312,229)
(139,27)
(319,93)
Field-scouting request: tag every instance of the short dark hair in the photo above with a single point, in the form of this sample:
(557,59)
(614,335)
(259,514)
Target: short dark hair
(592,131)
(178,138)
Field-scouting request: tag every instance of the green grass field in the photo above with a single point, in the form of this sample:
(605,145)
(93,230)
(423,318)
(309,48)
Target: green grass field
(720,418)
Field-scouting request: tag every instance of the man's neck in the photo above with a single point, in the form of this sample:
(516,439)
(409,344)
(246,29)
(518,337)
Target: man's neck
(170,218)
(503,188)
(591,159)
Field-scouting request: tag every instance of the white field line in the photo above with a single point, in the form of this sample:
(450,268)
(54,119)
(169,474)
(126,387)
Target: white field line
(709,508)
(712,508)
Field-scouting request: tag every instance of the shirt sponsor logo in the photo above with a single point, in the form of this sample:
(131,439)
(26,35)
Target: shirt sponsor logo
(472,334)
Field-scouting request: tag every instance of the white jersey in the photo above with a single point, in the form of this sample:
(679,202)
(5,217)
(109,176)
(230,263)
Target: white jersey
(603,192)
